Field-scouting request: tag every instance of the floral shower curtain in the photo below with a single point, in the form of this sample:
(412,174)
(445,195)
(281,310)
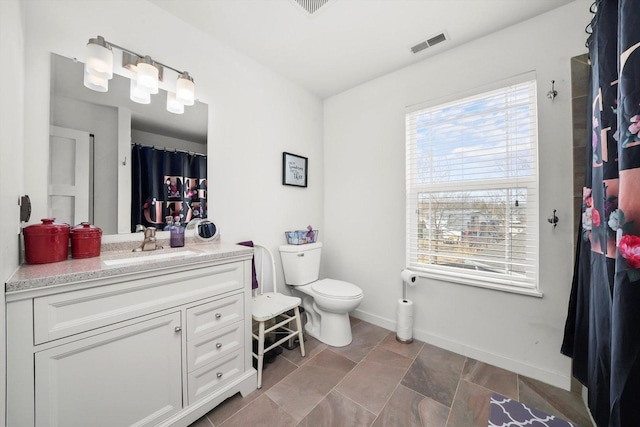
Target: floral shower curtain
(602,333)
(167,183)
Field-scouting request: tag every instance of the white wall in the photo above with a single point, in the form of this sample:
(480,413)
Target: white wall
(254,114)
(365,196)
(11,157)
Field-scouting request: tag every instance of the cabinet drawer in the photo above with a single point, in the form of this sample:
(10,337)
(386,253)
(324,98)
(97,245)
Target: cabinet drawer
(210,377)
(206,318)
(206,348)
(60,315)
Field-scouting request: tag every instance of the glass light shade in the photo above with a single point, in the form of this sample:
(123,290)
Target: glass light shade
(96,83)
(99,59)
(138,95)
(185,89)
(173,105)
(147,75)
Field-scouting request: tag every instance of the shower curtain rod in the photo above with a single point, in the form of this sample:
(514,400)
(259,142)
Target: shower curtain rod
(175,150)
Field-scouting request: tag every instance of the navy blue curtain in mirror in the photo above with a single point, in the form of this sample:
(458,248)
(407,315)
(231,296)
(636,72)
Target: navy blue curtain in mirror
(602,332)
(167,183)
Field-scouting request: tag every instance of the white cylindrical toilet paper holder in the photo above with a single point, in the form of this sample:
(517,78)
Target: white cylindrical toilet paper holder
(404,314)
(404,321)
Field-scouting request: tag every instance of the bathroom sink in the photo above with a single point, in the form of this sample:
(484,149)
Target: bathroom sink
(147,258)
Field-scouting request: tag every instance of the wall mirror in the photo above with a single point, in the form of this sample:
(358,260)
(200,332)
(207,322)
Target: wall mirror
(90,144)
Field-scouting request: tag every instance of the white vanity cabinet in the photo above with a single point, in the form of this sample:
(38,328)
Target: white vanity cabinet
(145,348)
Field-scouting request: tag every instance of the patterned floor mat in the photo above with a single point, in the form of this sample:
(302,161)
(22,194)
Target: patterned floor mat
(507,412)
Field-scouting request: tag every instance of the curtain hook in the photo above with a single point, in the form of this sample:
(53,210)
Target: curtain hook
(553,219)
(553,92)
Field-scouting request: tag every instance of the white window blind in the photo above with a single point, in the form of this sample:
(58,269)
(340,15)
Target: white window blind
(472,214)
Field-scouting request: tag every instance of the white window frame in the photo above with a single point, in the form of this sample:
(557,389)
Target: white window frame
(491,280)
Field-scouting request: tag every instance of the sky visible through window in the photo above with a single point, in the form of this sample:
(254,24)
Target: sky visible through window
(476,139)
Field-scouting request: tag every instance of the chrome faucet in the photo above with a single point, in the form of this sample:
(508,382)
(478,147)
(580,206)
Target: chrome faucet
(149,243)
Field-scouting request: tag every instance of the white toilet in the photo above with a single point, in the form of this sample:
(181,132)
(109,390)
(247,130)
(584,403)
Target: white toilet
(327,302)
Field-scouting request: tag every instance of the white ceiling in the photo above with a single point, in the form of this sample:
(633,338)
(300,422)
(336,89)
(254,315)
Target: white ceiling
(348,42)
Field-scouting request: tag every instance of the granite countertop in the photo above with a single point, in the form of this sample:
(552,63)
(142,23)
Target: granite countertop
(118,262)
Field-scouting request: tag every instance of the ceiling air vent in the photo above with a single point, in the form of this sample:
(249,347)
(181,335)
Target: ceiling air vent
(432,41)
(311,6)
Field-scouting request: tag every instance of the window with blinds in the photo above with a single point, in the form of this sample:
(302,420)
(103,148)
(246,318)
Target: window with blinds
(472,213)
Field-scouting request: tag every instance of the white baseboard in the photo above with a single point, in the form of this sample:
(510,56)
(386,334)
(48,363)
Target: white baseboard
(374,319)
(554,378)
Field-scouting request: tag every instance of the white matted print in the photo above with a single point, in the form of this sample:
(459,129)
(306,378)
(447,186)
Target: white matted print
(294,170)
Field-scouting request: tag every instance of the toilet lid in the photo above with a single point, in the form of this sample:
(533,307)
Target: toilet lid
(336,289)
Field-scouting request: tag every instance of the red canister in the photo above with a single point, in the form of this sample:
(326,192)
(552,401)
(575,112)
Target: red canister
(85,240)
(46,242)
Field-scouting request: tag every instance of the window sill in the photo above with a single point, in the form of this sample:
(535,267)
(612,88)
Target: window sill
(481,284)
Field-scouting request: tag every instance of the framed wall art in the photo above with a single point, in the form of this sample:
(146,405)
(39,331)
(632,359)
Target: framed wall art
(294,170)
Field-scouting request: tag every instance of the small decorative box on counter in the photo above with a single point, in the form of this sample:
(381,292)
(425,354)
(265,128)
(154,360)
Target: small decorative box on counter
(301,237)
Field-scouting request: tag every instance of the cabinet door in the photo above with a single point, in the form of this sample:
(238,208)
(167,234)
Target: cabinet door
(129,376)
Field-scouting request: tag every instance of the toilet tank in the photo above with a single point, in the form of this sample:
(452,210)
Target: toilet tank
(301,263)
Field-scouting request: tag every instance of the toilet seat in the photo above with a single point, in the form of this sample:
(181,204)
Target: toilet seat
(336,289)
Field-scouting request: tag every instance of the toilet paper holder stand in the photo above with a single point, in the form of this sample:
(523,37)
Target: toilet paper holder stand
(408,278)
(408,339)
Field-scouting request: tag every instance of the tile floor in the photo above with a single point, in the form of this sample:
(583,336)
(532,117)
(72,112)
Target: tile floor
(376,381)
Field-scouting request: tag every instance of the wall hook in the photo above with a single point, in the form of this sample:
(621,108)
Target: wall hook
(553,92)
(553,219)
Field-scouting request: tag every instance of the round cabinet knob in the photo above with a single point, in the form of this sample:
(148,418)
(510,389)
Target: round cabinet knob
(218,315)
(218,345)
(219,374)
(178,328)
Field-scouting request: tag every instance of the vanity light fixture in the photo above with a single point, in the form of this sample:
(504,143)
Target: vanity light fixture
(98,84)
(185,89)
(136,94)
(98,71)
(99,58)
(147,75)
(173,105)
